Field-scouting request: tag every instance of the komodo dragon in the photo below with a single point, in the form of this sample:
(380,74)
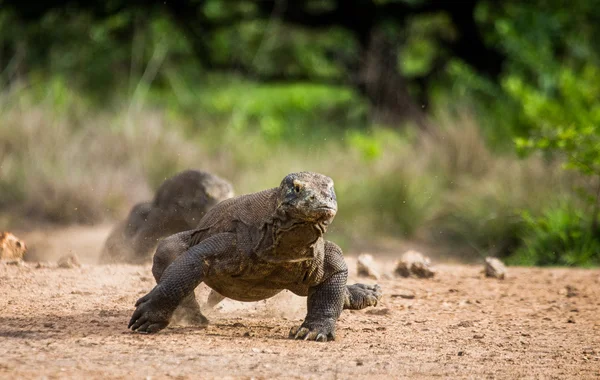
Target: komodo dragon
(178,205)
(251,247)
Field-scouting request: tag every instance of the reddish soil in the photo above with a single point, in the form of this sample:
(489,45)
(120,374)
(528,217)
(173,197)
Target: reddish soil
(71,323)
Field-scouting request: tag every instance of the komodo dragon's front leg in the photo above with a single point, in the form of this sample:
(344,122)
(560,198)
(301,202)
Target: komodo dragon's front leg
(154,310)
(327,299)
(325,303)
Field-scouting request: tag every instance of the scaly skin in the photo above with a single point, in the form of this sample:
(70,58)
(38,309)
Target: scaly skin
(178,205)
(252,247)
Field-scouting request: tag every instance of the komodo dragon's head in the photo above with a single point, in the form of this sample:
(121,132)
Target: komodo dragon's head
(308,196)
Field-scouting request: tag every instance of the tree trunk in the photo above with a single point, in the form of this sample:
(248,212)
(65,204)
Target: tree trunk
(386,88)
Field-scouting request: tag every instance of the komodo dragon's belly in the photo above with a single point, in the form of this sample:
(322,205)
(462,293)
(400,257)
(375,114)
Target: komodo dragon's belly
(258,282)
(243,290)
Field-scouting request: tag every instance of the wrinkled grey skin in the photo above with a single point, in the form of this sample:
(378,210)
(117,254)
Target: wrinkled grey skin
(252,247)
(178,205)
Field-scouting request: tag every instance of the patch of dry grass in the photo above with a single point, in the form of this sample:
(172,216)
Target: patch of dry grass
(446,187)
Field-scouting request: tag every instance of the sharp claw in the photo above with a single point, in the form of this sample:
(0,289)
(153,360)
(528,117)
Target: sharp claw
(321,338)
(136,315)
(293,332)
(155,327)
(301,333)
(138,323)
(311,335)
(144,327)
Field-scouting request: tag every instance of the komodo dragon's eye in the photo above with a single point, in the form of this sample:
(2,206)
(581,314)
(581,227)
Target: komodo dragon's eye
(298,186)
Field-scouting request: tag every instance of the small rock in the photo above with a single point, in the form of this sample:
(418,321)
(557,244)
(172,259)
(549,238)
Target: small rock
(461,353)
(413,263)
(378,311)
(478,336)
(11,247)
(465,324)
(571,291)
(404,293)
(494,268)
(571,320)
(365,266)
(17,263)
(69,261)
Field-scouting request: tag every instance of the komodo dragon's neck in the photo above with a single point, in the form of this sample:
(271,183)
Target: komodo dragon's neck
(292,240)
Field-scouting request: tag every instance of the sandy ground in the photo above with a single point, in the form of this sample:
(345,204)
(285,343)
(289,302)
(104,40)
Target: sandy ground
(71,323)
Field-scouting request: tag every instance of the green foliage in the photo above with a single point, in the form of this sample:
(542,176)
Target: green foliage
(561,236)
(568,122)
(94,102)
(284,111)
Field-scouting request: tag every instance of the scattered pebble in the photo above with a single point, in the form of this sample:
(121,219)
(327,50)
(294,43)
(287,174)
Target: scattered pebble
(404,293)
(11,247)
(413,263)
(494,268)
(378,311)
(571,291)
(69,261)
(465,324)
(365,266)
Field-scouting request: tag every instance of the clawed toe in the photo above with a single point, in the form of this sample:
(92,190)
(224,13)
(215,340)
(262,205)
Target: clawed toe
(319,334)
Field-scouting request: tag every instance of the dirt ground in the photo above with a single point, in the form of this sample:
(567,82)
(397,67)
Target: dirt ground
(71,323)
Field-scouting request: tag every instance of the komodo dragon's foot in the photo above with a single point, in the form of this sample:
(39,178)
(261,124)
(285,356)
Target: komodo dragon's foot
(152,313)
(319,330)
(360,296)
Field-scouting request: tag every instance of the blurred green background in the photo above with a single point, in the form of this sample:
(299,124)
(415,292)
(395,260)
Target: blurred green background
(469,126)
